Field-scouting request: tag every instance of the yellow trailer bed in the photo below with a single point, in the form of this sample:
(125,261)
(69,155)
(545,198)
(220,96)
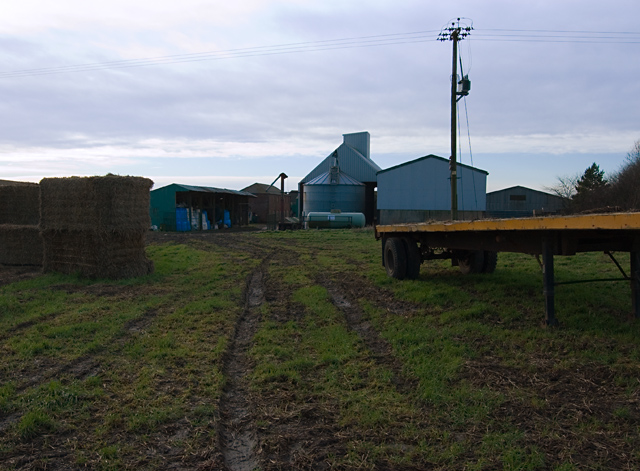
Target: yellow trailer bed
(473,245)
(611,221)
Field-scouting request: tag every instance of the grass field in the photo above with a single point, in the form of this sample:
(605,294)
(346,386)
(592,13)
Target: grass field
(294,350)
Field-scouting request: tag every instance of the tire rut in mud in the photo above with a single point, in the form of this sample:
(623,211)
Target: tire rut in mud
(296,429)
(80,369)
(84,366)
(238,432)
(382,351)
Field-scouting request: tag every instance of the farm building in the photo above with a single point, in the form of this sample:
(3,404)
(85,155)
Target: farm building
(420,190)
(519,201)
(178,207)
(267,202)
(353,160)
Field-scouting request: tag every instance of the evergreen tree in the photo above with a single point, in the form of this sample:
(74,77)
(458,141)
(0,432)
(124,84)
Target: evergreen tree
(591,180)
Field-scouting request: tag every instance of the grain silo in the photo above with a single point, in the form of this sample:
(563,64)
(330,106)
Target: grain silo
(334,196)
(356,164)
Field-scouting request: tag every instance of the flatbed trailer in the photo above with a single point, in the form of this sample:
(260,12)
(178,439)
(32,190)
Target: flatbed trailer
(473,245)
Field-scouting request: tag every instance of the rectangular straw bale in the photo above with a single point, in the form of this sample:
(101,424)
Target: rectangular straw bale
(20,204)
(20,245)
(96,255)
(101,204)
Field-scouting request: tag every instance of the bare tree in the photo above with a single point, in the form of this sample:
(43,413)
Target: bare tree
(565,188)
(625,184)
(634,153)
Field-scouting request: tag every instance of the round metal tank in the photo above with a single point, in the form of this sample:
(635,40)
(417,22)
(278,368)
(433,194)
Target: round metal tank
(334,192)
(334,220)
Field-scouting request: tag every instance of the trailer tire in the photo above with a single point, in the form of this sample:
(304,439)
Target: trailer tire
(490,262)
(395,258)
(471,262)
(414,258)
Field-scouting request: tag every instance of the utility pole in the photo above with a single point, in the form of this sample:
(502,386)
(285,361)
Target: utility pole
(282,176)
(455,32)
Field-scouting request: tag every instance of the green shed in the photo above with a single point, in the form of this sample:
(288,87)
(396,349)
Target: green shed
(185,207)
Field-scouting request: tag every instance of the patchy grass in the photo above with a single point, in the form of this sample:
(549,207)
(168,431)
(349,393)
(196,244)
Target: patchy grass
(133,361)
(350,369)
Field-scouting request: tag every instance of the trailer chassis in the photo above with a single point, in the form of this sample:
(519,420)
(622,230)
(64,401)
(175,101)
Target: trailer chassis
(473,246)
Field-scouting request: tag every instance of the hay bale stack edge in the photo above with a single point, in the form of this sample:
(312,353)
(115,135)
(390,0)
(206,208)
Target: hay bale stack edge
(95,225)
(20,242)
(97,204)
(20,204)
(20,245)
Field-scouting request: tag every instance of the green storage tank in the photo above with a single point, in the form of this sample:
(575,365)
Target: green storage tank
(334,220)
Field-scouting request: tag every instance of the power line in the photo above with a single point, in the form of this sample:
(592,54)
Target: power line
(549,35)
(501,35)
(311,46)
(568,31)
(575,40)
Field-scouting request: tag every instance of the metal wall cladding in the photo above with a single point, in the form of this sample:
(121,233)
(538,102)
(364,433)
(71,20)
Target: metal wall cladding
(324,198)
(360,141)
(424,184)
(523,200)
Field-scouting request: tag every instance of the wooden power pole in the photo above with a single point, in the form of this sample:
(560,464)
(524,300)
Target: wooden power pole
(455,33)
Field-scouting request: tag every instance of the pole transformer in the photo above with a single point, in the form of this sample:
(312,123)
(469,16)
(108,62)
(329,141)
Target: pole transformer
(455,33)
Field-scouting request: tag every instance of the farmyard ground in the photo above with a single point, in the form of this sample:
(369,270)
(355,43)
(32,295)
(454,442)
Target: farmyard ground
(295,351)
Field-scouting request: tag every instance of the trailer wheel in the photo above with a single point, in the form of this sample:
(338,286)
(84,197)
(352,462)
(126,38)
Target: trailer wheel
(414,258)
(395,258)
(490,262)
(471,262)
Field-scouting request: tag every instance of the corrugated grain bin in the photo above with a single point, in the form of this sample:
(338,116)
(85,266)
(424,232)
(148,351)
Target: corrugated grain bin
(334,191)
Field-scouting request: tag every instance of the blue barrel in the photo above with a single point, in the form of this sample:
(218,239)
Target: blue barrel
(182,220)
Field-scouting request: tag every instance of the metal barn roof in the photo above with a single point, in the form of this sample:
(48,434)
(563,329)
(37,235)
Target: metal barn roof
(523,189)
(434,157)
(262,189)
(341,179)
(351,162)
(208,189)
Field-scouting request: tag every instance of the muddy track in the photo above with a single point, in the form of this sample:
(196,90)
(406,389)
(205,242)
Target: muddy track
(382,351)
(238,433)
(12,274)
(10,332)
(84,366)
(79,368)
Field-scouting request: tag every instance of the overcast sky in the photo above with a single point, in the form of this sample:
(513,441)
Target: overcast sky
(282,80)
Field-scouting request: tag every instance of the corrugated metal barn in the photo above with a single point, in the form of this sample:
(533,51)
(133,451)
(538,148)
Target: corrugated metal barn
(267,202)
(354,159)
(198,207)
(420,190)
(519,201)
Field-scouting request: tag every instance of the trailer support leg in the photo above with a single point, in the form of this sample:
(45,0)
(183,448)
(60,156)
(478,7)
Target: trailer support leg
(548,283)
(635,283)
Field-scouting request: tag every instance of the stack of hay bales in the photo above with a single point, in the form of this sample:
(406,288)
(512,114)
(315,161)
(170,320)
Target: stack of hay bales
(95,226)
(20,242)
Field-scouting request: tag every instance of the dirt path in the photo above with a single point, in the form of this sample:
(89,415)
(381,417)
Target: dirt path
(238,434)
(379,347)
